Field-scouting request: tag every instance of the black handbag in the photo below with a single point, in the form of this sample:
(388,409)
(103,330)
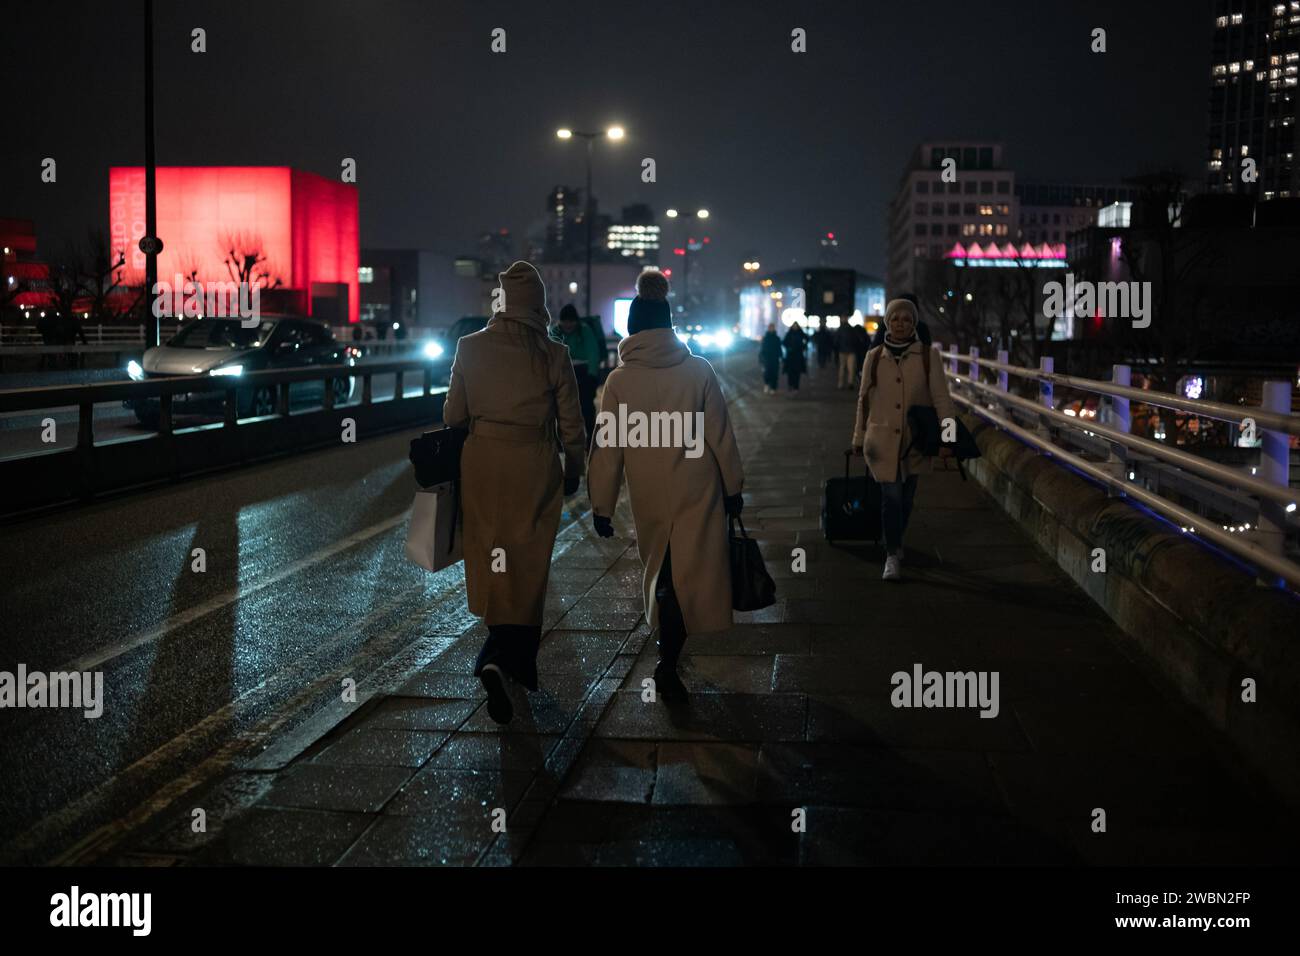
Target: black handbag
(927,436)
(752,588)
(436,455)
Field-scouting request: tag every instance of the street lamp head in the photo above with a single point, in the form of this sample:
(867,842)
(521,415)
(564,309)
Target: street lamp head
(703,214)
(564,133)
(671,213)
(614,132)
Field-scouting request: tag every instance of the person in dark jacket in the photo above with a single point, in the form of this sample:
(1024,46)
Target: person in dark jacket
(796,361)
(861,345)
(769,357)
(584,352)
(822,341)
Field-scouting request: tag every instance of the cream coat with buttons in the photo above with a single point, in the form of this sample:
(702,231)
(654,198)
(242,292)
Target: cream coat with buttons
(881,426)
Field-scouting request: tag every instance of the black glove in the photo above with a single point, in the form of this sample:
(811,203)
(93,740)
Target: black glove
(604,527)
(733,504)
(572,482)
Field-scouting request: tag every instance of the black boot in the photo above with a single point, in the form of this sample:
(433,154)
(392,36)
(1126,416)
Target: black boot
(672,638)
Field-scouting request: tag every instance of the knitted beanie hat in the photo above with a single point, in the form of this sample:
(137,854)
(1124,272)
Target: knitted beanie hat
(525,293)
(649,310)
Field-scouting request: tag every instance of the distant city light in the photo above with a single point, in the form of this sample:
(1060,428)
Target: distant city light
(614,132)
(1194,386)
(564,133)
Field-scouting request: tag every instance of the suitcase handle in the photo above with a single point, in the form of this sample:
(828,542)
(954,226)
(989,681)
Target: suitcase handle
(849,454)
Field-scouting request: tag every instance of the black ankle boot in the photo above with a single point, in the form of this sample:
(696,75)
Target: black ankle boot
(667,684)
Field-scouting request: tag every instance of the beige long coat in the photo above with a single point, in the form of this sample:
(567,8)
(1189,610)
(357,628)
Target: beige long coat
(510,386)
(676,499)
(881,426)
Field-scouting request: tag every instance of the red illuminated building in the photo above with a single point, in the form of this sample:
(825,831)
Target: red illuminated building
(305,226)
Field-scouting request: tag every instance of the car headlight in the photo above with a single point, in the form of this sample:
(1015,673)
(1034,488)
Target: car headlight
(723,339)
(684,336)
(228,370)
(134,371)
(432,350)
(704,339)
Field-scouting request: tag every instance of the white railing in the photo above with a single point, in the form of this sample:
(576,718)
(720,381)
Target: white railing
(1260,498)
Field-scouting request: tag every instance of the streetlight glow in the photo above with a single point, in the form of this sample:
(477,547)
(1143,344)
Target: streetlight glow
(564,133)
(614,132)
(703,214)
(671,213)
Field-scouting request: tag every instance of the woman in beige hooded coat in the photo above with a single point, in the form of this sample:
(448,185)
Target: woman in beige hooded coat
(681,493)
(512,386)
(894,378)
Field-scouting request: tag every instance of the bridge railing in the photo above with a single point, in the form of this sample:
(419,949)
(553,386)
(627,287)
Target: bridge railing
(85,397)
(1258,502)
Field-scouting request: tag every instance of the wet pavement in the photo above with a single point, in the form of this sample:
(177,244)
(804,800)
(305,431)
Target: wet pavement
(790,750)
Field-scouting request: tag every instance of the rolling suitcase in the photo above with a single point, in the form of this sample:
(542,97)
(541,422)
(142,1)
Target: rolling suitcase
(851,507)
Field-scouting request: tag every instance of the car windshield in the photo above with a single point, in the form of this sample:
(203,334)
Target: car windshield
(221,334)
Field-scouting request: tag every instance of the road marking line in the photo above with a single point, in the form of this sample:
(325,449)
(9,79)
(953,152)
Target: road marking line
(96,659)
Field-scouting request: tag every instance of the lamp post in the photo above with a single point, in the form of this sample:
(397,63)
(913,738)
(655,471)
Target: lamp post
(614,133)
(149,244)
(700,214)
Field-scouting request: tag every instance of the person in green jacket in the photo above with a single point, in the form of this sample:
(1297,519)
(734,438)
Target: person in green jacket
(583,347)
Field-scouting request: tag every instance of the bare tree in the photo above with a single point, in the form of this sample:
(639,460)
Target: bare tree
(244,256)
(1160,250)
(102,273)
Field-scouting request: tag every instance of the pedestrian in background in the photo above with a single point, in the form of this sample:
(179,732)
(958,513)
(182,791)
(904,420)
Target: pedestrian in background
(583,348)
(769,357)
(822,341)
(846,347)
(512,386)
(796,361)
(680,502)
(861,345)
(901,372)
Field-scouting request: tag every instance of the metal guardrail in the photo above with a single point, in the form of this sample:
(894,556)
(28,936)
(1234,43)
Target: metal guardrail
(1267,495)
(86,397)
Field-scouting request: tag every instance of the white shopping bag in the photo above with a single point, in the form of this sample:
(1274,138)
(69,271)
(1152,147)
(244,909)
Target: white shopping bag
(433,539)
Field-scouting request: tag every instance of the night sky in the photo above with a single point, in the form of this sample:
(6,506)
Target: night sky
(451,139)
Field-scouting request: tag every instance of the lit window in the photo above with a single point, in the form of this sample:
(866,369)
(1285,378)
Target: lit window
(1220,22)
(1236,19)
(365,274)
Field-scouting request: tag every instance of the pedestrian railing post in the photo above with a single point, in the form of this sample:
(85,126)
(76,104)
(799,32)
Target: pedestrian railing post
(1121,420)
(1004,380)
(397,386)
(366,396)
(952,363)
(231,408)
(165,413)
(1046,365)
(1275,468)
(973,373)
(282,406)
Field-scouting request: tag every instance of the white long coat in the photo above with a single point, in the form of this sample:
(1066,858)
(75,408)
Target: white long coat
(676,500)
(511,385)
(881,428)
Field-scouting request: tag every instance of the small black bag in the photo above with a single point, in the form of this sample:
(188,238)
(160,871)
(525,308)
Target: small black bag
(436,455)
(752,588)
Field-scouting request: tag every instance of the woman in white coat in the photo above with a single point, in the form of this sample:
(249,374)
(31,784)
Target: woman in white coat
(896,375)
(663,422)
(514,389)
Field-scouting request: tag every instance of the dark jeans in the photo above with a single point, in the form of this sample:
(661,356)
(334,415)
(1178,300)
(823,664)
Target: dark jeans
(792,375)
(672,627)
(895,508)
(513,648)
(772,374)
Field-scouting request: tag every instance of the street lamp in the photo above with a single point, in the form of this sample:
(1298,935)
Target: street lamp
(674,213)
(613,133)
